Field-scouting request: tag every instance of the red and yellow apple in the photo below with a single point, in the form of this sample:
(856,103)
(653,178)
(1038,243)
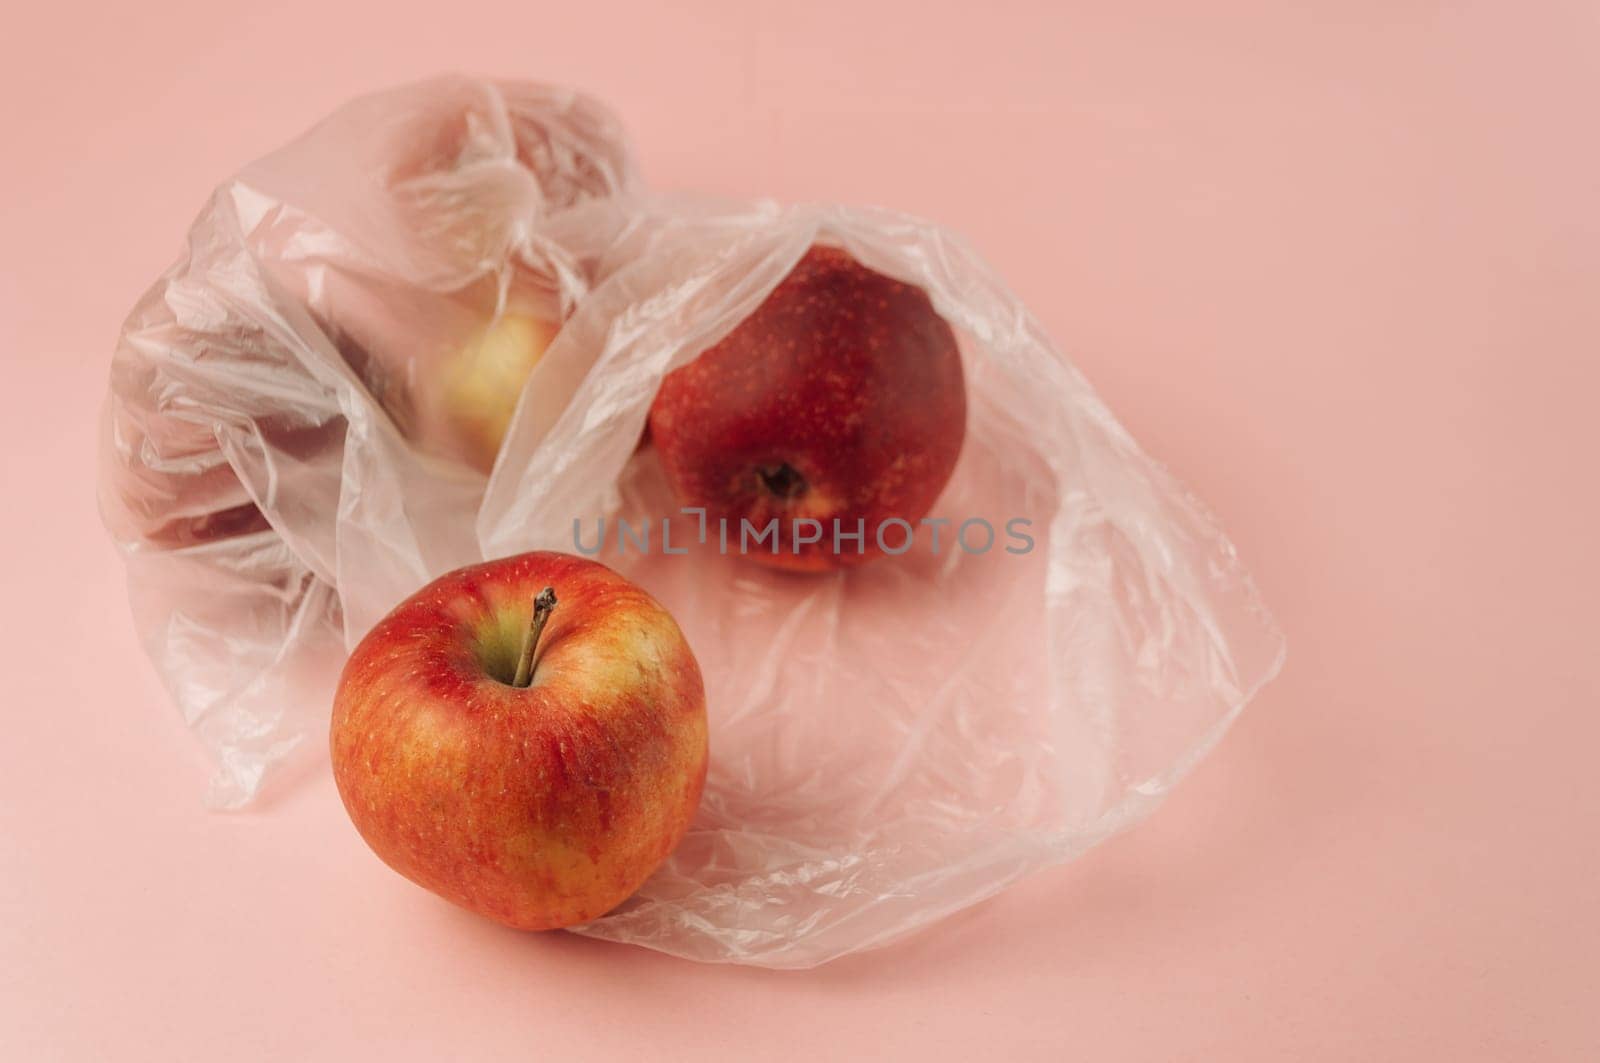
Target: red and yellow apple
(525,738)
(840,398)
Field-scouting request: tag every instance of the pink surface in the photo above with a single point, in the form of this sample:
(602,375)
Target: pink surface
(1338,269)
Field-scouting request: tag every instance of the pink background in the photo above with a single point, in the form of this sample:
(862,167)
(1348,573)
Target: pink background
(1338,266)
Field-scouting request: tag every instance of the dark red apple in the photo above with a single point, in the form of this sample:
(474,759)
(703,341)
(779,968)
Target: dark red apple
(839,399)
(532,763)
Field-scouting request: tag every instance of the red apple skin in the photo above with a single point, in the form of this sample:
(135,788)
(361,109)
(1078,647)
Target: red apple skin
(539,807)
(847,377)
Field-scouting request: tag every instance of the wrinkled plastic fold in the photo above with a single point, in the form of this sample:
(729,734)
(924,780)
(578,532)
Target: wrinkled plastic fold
(285,460)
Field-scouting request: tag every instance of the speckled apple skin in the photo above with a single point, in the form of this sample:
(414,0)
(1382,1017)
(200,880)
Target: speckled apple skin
(538,807)
(848,376)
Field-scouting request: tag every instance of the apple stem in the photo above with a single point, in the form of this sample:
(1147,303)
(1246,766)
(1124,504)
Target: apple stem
(543,606)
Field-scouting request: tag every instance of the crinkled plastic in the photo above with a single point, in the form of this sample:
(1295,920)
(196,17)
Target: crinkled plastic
(889,744)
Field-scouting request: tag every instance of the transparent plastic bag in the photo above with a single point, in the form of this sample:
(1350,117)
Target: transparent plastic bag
(889,744)
(276,432)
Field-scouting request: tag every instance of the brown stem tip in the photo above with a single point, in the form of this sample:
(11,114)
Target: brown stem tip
(543,606)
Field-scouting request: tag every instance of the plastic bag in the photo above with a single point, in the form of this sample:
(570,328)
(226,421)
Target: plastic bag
(889,744)
(274,435)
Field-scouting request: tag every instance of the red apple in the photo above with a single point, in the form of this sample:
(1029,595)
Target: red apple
(839,399)
(541,799)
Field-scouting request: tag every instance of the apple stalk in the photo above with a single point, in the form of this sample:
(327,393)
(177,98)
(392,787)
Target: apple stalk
(543,606)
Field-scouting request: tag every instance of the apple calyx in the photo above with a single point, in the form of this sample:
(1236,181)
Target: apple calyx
(783,480)
(543,606)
